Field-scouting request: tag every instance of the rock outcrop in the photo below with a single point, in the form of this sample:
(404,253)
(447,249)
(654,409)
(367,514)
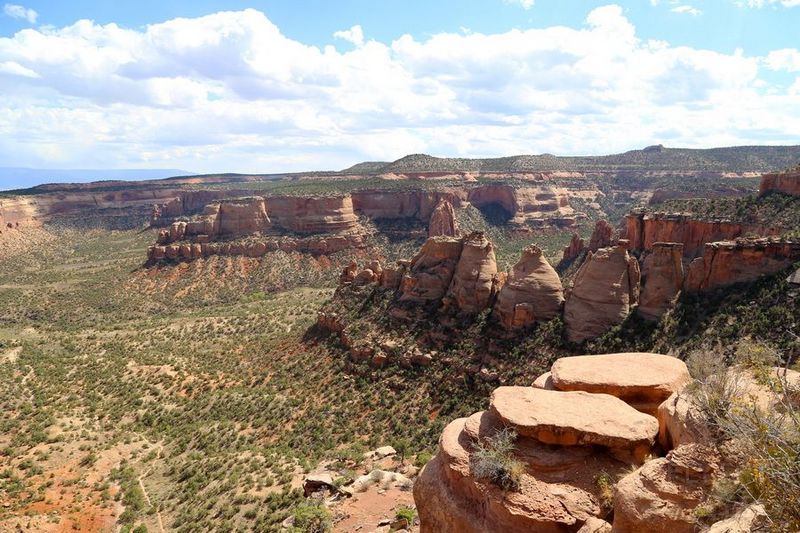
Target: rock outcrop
(729,262)
(785,182)
(443,220)
(643,230)
(430,272)
(525,205)
(605,289)
(573,249)
(602,236)
(662,279)
(643,380)
(312,214)
(532,292)
(474,280)
(414,204)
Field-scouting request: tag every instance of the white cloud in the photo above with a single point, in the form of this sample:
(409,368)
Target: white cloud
(762,3)
(354,35)
(20,12)
(524,4)
(787,59)
(687,10)
(229,91)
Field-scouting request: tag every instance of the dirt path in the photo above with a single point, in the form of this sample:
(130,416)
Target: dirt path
(144,489)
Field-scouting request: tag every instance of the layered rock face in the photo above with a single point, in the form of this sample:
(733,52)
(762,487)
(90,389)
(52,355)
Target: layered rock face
(403,204)
(602,236)
(474,279)
(302,214)
(728,262)
(526,204)
(532,292)
(662,279)
(565,440)
(573,249)
(443,220)
(784,182)
(187,203)
(431,270)
(232,218)
(606,286)
(644,230)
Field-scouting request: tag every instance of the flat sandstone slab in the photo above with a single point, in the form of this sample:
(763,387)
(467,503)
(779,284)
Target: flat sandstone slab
(637,378)
(575,418)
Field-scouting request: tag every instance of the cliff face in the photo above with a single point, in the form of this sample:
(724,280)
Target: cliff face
(313,214)
(605,288)
(526,204)
(662,279)
(403,204)
(784,182)
(728,262)
(643,230)
(443,220)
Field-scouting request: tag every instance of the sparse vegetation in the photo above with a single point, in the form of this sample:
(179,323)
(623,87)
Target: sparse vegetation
(493,460)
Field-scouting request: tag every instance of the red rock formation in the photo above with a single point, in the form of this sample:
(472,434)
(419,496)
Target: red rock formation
(431,270)
(662,279)
(644,230)
(573,249)
(301,214)
(473,280)
(605,288)
(602,236)
(443,220)
(525,204)
(786,182)
(403,204)
(728,262)
(532,292)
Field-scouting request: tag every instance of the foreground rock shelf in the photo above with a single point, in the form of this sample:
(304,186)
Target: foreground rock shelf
(578,473)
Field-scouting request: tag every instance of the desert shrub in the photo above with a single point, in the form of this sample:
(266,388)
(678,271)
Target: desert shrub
(605,488)
(407,513)
(493,460)
(312,517)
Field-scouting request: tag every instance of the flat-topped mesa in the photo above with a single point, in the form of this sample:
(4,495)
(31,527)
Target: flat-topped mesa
(605,289)
(474,279)
(419,205)
(312,214)
(662,279)
(443,220)
(643,230)
(431,270)
(532,292)
(787,182)
(729,262)
(642,380)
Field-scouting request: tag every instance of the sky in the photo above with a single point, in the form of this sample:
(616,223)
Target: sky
(274,86)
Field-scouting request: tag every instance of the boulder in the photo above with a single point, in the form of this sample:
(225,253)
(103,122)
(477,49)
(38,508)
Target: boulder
(606,286)
(532,292)
(431,270)
(472,283)
(317,482)
(662,279)
(349,273)
(545,381)
(576,418)
(663,493)
(595,525)
(749,520)
(642,380)
(443,220)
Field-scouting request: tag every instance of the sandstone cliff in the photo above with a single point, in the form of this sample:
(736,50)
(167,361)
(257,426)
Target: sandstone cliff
(524,205)
(785,182)
(662,279)
(728,262)
(531,293)
(430,271)
(605,289)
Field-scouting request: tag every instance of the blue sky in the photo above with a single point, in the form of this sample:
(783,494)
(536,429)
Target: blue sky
(290,85)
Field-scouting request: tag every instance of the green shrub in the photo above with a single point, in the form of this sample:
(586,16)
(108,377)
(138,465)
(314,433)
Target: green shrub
(493,461)
(312,517)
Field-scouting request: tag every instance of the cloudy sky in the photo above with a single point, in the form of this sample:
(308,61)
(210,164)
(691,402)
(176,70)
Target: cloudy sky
(265,86)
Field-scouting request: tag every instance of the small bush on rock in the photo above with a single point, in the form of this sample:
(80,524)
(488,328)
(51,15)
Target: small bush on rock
(493,460)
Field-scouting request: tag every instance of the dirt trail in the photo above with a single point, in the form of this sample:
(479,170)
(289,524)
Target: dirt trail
(144,489)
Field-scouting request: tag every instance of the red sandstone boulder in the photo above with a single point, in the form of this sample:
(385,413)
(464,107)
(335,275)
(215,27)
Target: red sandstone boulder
(606,286)
(532,292)
(642,380)
(472,283)
(431,270)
